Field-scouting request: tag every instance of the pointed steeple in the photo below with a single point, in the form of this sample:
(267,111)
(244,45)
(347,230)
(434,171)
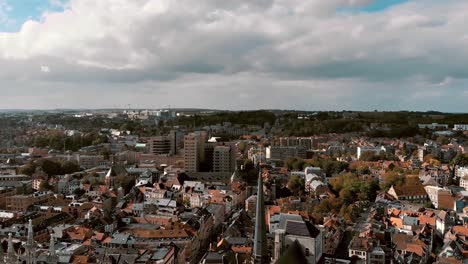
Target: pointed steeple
(30,253)
(235,177)
(52,247)
(30,241)
(10,257)
(52,259)
(260,253)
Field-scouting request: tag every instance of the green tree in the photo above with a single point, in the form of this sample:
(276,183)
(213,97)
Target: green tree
(459,160)
(298,164)
(51,167)
(79,192)
(369,156)
(442,140)
(392,178)
(248,165)
(242,146)
(296,185)
(106,153)
(45,186)
(347,196)
(69,167)
(361,170)
(28,169)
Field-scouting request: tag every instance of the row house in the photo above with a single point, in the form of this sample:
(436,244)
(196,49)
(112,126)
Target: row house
(414,194)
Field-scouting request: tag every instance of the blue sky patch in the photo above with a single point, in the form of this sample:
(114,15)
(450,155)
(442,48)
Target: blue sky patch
(380,5)
(20,11)
(375,6)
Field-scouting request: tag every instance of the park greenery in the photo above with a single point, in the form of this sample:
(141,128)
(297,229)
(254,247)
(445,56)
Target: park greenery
(50,167)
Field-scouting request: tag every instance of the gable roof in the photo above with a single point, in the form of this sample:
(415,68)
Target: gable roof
(410,190)
(301,228)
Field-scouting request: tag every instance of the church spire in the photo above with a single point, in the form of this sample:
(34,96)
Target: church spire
(52,256)
(52,247)
(30,248)
(235,175)
(10,257)
(30,241)
(260,254)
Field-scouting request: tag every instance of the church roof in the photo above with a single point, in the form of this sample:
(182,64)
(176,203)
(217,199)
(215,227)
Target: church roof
(294,254)
(301,228)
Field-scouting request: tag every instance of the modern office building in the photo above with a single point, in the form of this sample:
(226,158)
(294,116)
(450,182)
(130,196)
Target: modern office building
(160,145)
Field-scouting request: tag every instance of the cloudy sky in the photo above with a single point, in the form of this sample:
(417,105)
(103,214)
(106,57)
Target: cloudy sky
(235,54)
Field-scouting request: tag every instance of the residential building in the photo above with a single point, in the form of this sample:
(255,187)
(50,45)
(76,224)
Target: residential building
(15,180)
(464,182)
(410,248)
(194,150)
(23,202)
(441,198)
(224,159)
(375,150)
(433,126)
(460,127)
(415,193)
(367,252)
(306,142)
(461,172)
(282,153)
(444,221)
(334,230)
(4,193)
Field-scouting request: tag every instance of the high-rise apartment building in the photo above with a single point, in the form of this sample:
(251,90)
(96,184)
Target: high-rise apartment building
(194,150)
(223,159)
(191,150)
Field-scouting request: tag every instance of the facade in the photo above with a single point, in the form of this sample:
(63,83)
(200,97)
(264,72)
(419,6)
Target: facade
(4,193)
(375,150)
(223,159)
(161,145)
(441,198)
(23,202)
(415,194)
(282,153)
(14,180)
(291,229)
(464,182)
(191,156)
(194,150)
(461,172)
(306,142)
(433,126)
(91,161)
(460,127)
(366,251)
(250,204)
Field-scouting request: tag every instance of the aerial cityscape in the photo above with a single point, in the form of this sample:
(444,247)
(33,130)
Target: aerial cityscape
(211,186)
(233,131)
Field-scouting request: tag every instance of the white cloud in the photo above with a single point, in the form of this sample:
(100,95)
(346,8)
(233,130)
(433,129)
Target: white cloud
(45,69)
(162,42)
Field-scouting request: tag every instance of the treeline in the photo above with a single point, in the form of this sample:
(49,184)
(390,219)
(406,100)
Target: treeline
(50,167)
(59,141)
(241,118)
(295,127)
